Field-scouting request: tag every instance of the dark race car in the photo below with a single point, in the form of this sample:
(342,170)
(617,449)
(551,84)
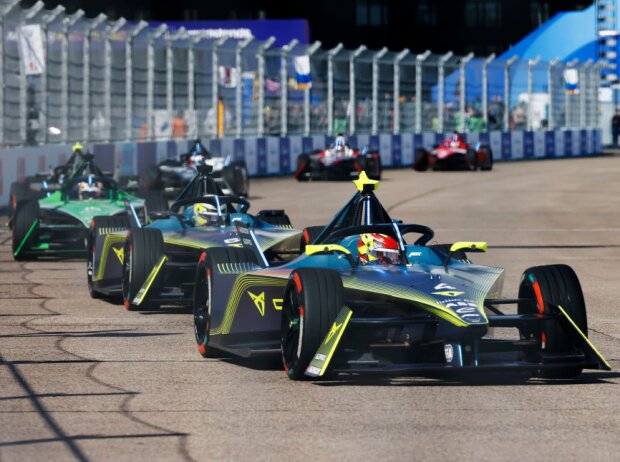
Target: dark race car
(338,161)
(364,297)
(58,224)
(454,154)
(156,264)
(172,175)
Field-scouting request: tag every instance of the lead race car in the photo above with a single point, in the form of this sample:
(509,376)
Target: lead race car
(58,224)
(171,176)
(364,298)
(454,154)
(156,264)
(339,161)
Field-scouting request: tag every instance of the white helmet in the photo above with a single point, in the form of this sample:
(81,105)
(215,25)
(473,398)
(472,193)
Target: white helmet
(90,189)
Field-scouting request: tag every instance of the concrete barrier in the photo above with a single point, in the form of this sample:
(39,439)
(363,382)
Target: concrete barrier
(278,156)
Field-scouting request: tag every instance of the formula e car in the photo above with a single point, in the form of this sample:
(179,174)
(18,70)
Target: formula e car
(58,225)
(454,154)
(363,298)
(156,264)
(338,161)
(172,175)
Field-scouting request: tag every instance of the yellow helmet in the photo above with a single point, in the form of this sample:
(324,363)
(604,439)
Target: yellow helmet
(203,214)
(77,147)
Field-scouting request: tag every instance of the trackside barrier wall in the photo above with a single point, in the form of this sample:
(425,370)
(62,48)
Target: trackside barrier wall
(278,155)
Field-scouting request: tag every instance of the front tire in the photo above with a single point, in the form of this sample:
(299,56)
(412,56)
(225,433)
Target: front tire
(24,228)
(143,249)
(312,301)
(487,163)
(420,160)
(557,285)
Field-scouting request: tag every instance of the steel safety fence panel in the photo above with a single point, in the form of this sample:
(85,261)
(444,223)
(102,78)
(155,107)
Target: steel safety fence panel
(11,79)
(99,124)
(539,104)
(118,75)
(557,107)
(76,81)
(518,95)
(451,98)
(572,97)
(385,83)
(162,119)
(362,106)
(473,118)
(496,105)
(341,105)
(227,84)
(429,95)
(139,75)
(183,117)
(295,94)
(318,93)
(272,91)
(53,91)
(407,94)
(206,116)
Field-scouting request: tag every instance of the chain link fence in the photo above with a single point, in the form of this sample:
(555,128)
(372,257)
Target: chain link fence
(102,81)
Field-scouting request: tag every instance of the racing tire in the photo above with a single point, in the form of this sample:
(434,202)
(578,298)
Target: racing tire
(24,226)
(154,202)
(18,192)
(487,163)
(302,164)
(420,160)
(275,217)
(143,249)
(313,298)
(115,223)
(308,235)
(471,157)
(558,285)
(201,304)
(152,179)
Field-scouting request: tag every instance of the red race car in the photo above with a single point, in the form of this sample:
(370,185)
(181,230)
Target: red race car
(454,154)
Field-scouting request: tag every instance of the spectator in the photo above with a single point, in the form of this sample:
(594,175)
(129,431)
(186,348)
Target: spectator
(615,127)
(179,127)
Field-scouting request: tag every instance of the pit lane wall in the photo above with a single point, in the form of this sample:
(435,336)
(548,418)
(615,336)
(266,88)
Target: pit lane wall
(278,156)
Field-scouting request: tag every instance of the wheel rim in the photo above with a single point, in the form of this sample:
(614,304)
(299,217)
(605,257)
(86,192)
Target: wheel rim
(291,328)
(202,311)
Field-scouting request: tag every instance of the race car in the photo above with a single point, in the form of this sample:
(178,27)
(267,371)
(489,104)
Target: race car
(156,264)
(454,154)
(339,161)
(172,175)
(58,225)
(364,298)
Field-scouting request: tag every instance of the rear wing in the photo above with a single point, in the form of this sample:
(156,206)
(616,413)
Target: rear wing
(249,241)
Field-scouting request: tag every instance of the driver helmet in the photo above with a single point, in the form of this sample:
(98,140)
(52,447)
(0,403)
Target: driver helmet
(377,249)
(198,154)
(204,214)
(90,189)
(455,140)
(340,144)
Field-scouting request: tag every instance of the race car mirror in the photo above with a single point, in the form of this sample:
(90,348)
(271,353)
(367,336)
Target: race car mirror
(464,247)
(319,249)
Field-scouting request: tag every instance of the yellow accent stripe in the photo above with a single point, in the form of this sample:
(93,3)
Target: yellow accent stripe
(336,342)
(243,283)
(109,241)
(583,336)
(312,249)
(469,246)
(149,281)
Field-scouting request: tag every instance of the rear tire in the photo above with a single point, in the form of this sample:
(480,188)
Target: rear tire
(312,301)
(26,214)
(471,157)
(302,165)
(154,202)
(202,289)
(143,249)
(487,164)
(19,192)
(118,222)
(420,160)
(558,285)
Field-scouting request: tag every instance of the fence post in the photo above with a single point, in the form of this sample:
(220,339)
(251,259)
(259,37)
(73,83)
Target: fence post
(284,86)
(568,105)
(375,89)
(107,94)
(399,57)
(462,90)
(169,72)
(86,75)
(418,89)
(441,89)
(191,85)
(150,78)
(583,93)
(64,73)
(597,85)
(261,84)
(350,110)
(509,63)
(238,93)
(530,90)
(330,86)
(4,12)
(485,89)
(311,50)
(129,77)
(214,84)
(551,90)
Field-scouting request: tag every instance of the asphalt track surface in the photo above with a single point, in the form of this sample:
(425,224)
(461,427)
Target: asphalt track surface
(84,379)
